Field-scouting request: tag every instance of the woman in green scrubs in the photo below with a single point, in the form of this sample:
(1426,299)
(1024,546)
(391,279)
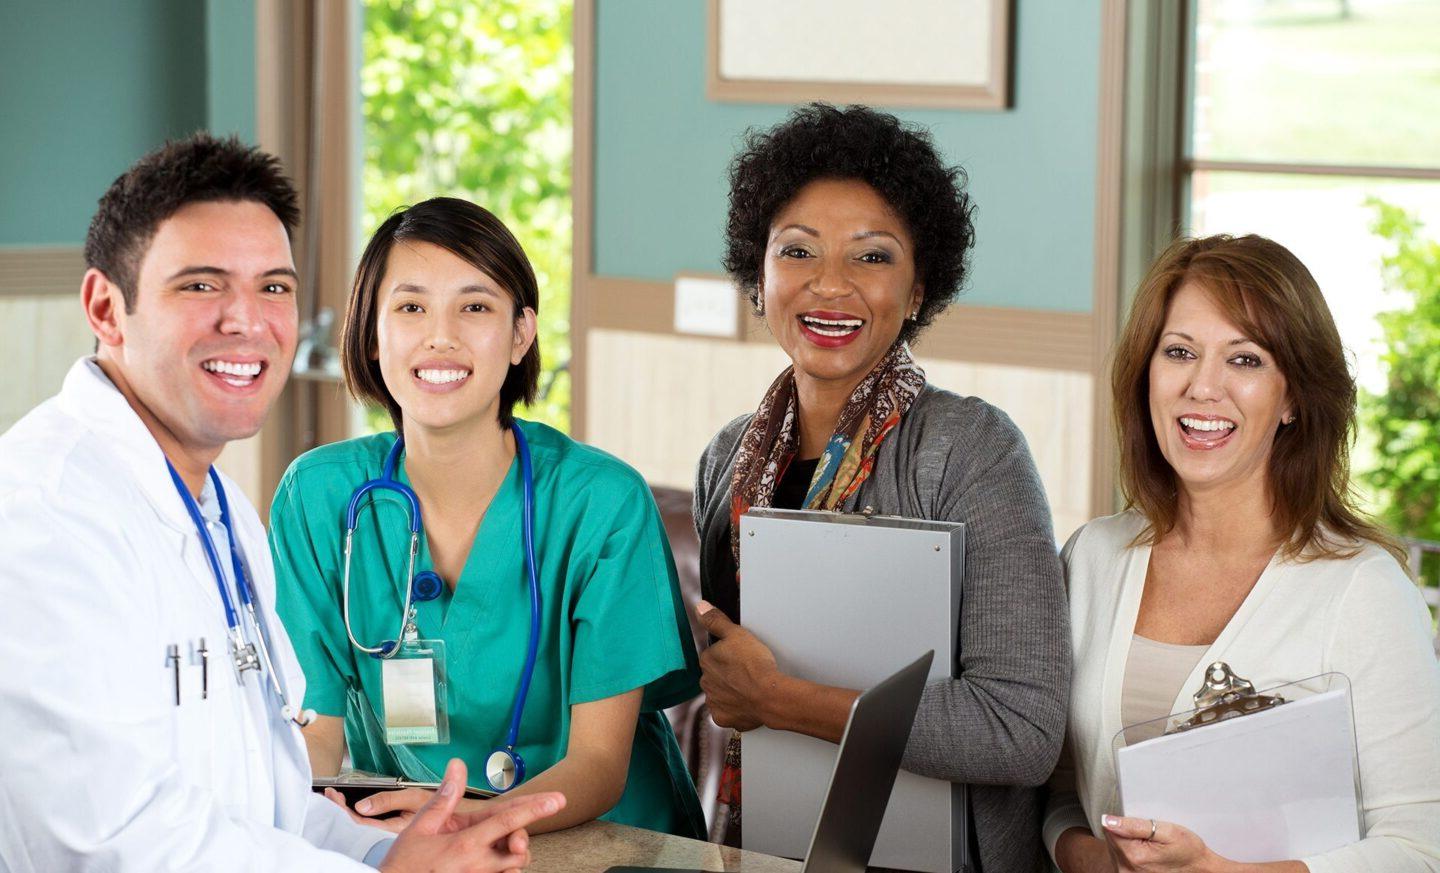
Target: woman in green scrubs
(440,330)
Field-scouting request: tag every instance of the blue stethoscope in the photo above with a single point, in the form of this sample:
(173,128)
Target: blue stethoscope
(244,654)
(504,768)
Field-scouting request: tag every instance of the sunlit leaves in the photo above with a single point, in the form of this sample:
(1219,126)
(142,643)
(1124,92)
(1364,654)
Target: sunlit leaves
(472,100)
(1406,417)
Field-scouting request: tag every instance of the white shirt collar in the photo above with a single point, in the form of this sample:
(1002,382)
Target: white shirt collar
(89,397)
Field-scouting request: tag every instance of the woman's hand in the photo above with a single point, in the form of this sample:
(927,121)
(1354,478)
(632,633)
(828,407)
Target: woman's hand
(403,803)
(1142,844)
(738,672)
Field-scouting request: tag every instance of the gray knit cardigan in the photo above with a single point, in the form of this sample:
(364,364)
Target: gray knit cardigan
(999,725)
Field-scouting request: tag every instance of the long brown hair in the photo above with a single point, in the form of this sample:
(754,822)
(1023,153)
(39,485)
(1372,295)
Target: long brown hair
(1265,291)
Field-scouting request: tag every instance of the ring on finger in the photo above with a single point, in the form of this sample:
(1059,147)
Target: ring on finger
(1152,830)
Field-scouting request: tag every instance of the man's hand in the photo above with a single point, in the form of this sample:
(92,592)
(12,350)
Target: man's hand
(738,672)
(490,839)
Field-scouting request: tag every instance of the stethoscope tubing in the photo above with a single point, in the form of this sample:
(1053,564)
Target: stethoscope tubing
(243,588)
(388,648)
(232,619)
(527,527)
(386,482)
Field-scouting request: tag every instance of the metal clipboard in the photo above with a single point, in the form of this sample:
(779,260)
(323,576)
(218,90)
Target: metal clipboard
(837,596)
(1264,775)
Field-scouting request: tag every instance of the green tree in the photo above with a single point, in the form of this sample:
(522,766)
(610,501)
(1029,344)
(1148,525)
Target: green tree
(473,100)
(1405,419)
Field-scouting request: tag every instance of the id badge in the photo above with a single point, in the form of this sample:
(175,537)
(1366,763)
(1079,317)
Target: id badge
(413,681)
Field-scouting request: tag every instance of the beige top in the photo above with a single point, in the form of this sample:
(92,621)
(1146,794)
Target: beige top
(1361,616)
(1154,672)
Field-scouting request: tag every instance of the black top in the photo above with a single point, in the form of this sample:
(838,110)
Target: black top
(789,494)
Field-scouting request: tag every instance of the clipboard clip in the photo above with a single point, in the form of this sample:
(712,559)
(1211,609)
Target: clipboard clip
(1224,695)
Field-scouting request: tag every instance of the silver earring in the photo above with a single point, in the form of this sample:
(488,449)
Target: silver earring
(760,306)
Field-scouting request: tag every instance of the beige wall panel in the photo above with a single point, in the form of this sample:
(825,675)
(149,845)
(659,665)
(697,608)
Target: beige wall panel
(42,336)
(241,460)
(1052,408)
(656,400)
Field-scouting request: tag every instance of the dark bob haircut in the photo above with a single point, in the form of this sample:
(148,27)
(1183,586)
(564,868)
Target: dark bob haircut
(820,141)
(472,234)
(197,169)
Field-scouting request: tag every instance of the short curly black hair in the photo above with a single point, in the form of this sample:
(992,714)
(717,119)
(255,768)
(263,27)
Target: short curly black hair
(820,141)
(199,168)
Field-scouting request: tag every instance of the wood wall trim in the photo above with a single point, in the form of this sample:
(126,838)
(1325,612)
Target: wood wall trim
(1108,201)
(1282,168)
(306,70)
(582,198)
(975,334)
(41,271)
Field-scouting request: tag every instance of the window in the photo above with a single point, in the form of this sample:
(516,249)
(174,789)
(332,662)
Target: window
(1300,112)
(1301,118)
(473,100)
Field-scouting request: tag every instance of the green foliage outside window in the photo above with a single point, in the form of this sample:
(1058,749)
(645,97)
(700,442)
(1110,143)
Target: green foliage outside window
(473,100)
(1405,419)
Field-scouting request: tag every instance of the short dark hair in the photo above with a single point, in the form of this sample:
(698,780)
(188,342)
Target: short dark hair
(197,169)
(475,236)
(820,141)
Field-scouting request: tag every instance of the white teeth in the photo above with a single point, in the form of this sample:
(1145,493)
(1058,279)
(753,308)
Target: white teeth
(832,326)
(226,368)
(441,377)
(833,322)
(1203,424)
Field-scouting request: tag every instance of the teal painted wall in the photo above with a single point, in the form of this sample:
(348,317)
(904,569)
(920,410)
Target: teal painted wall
(661,151)
(88,87)
(230,67)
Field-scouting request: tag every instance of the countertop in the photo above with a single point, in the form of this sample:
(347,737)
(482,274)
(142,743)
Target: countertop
(598,845)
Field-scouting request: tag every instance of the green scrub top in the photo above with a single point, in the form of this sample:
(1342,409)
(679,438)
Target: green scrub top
(611,615)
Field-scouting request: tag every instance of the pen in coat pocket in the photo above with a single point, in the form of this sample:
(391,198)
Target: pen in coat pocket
(173,657)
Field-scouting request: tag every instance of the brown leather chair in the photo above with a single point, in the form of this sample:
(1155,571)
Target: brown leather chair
(701,740)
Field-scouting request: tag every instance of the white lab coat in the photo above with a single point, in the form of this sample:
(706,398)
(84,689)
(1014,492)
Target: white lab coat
(101,570)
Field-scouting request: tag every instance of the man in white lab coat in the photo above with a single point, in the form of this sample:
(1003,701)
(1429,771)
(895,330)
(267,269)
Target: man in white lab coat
(129,740)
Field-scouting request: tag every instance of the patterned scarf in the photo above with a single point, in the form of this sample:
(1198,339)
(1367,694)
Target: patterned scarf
(771,441)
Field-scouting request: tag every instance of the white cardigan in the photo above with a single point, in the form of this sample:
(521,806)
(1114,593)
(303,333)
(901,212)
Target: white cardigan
(1360,616)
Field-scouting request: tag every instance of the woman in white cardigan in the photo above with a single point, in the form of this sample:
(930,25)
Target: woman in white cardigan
(1235,409)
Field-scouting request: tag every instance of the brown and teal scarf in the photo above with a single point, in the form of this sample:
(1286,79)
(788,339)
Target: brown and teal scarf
(771,441)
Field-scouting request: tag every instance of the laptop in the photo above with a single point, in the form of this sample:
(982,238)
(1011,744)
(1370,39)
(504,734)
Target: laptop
(870,752)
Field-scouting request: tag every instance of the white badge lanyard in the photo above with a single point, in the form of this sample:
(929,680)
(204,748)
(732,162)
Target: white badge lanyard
(414,668)
(244,654)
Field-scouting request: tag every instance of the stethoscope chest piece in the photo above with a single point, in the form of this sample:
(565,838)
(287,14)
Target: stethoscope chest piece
(503,769)
(427,586)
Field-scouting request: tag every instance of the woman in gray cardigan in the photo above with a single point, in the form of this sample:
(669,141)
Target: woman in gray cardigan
(849,234)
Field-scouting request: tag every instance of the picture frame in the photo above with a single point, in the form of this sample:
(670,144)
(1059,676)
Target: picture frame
(953,54)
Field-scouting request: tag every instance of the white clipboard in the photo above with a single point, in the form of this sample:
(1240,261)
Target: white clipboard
(1259,776)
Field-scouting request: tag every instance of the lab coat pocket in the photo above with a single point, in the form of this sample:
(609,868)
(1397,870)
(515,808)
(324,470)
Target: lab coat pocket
(194,719)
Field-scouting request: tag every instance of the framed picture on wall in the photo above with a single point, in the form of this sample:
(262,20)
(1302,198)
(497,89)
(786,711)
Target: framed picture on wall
(924,53)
